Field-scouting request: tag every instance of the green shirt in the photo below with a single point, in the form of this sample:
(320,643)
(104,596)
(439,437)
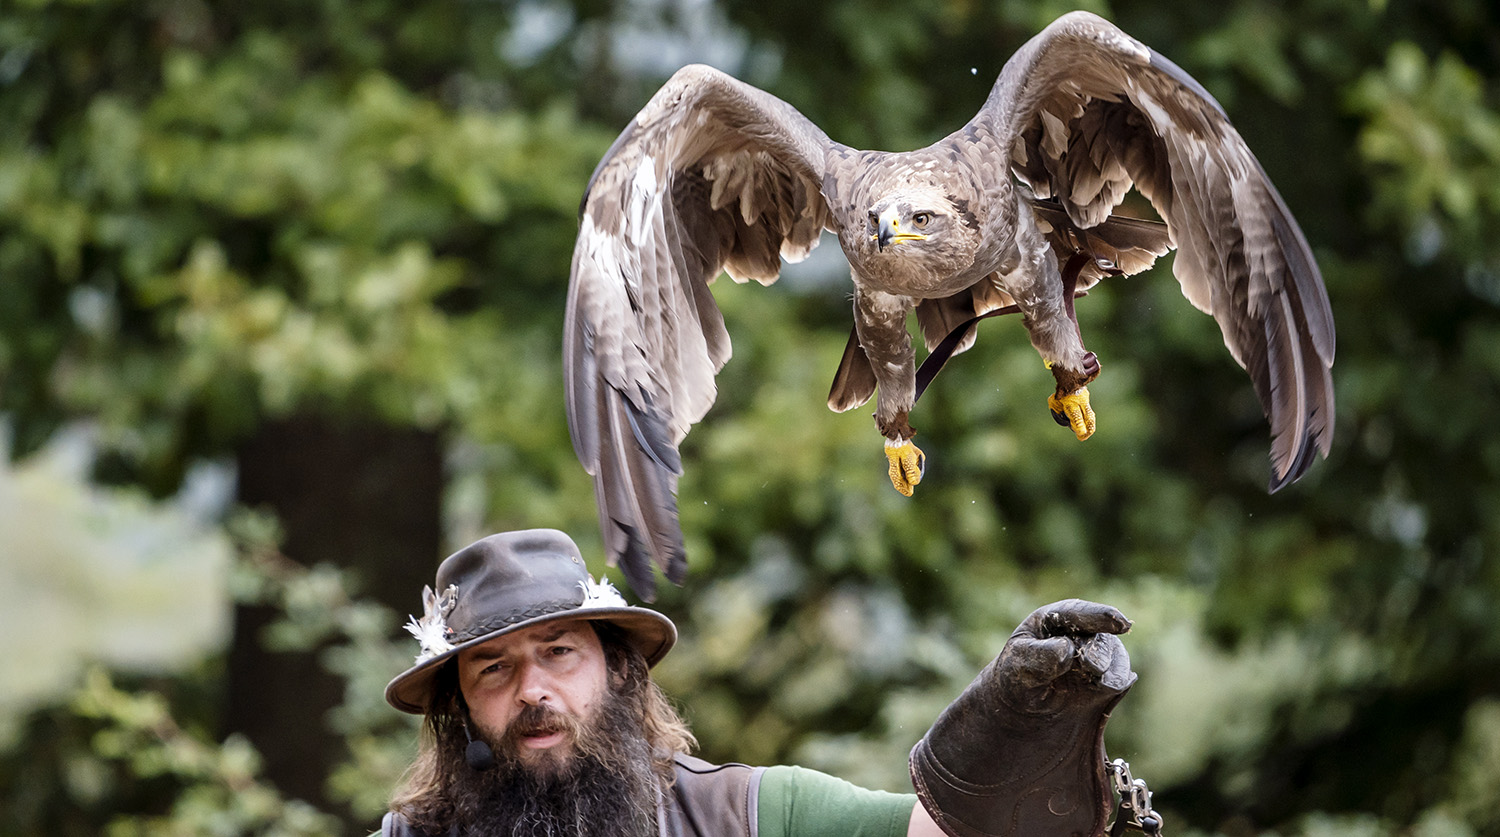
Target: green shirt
(797,802)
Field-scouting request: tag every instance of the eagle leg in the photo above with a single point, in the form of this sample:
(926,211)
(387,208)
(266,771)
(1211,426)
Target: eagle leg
(880,325)
(906,459)
(907,464)
(1073,410)
(1070,403)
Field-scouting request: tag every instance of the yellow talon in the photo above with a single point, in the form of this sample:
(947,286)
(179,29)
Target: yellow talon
(1073,411)
(907,464)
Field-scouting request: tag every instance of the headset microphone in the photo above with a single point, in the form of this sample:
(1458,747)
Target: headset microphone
(478,754)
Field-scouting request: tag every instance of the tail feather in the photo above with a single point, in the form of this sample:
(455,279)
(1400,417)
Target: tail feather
(854,382)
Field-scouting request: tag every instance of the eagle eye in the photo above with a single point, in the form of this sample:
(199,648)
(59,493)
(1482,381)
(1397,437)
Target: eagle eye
(874,220)
(921,219)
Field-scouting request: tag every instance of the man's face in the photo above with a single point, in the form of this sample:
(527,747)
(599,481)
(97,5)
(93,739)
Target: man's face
(533,691)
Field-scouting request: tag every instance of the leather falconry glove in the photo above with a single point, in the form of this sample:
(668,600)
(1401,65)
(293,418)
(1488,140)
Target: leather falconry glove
(1021,751)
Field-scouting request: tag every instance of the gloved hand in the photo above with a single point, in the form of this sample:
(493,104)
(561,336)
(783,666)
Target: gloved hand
(1067,637)
(1021,752)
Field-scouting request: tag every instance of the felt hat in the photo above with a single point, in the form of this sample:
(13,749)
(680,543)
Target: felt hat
(508,582)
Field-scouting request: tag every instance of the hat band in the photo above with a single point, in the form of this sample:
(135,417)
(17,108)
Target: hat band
(493,624)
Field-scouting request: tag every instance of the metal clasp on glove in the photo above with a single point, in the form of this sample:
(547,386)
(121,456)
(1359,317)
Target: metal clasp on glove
(1134,811)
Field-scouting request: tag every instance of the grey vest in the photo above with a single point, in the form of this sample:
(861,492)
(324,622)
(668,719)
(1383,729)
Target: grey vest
(710,800)
(706,800)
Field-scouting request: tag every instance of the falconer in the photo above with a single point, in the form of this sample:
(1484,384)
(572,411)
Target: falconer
(541,718)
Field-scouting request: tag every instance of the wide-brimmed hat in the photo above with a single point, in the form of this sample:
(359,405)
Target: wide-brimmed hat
(507,582)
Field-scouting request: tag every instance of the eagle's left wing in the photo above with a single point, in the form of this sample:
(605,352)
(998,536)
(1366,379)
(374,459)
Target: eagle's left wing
(1085,111)
(713,174)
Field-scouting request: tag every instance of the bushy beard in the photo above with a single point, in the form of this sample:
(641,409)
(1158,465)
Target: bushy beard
(604,785)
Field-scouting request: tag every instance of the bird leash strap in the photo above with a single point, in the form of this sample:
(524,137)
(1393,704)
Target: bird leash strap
(1134,811)
(944,350)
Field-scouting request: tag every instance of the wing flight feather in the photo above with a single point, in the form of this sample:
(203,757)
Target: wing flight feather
(712,175)
(1086,111)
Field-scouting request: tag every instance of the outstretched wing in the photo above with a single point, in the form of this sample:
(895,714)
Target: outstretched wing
(1087,111)
(712,175)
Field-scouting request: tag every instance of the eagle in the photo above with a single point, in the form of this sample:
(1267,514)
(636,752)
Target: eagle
(1015,211)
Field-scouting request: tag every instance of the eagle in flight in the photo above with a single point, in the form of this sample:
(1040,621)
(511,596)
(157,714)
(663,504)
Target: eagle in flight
(1011,212)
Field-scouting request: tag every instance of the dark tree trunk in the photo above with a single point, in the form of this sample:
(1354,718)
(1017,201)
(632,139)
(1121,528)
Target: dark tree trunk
(361,496)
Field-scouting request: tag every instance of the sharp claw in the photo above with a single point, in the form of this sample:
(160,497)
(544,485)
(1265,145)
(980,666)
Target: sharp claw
(1073,411)
(907,466)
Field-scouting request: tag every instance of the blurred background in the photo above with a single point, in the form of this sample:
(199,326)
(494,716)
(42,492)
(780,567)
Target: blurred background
(281,297)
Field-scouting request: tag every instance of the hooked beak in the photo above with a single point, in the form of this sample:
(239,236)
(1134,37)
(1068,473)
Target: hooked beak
(890,232)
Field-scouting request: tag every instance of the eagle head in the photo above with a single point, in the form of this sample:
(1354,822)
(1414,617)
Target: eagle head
(896,222)
(921,230)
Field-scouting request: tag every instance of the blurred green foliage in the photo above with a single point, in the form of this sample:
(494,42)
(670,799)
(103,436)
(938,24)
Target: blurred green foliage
(213,214)
(220,793)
